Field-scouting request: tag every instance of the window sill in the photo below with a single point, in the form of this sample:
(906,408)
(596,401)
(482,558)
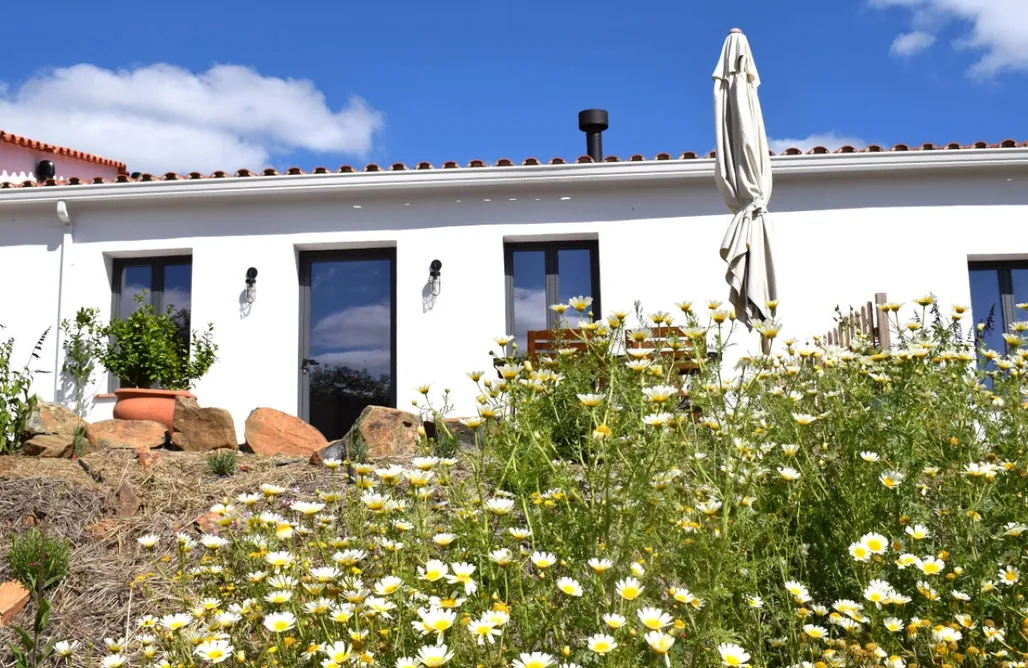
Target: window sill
(105,395)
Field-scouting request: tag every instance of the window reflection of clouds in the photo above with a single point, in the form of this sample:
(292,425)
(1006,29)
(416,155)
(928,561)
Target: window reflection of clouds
(376,361)
(354,327)
(529,313)
(351,318)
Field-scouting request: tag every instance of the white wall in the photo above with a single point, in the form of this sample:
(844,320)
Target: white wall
(18,163)
(838,242)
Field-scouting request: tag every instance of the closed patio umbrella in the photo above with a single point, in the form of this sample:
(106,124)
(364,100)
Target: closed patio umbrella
(743,176)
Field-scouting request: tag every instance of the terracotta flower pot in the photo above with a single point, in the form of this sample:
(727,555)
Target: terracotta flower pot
(155,405)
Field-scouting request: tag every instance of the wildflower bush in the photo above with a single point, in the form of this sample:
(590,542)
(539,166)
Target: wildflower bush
(812,507)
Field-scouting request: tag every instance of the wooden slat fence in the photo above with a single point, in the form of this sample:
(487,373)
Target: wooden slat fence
(869,321)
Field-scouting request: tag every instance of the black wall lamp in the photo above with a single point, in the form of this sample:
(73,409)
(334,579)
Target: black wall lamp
(435,283)
(251,285)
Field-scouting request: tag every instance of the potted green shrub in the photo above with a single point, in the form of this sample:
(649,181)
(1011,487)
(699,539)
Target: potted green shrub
(156,359)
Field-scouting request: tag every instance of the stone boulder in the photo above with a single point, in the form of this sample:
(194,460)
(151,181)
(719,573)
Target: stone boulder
(271,432)
(148,458)
(53,419)
(201,429)
(334,450)
(127,501)
(463,436)
(132,434)
(387,432)
(49,445)
(13,599)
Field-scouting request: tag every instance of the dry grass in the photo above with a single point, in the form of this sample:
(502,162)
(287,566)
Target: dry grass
(94,601)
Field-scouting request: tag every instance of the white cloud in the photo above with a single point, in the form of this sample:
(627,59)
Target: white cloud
(911,43)
(829,140)
(160,118)
(996,28)
(375,361)
(530,311)
(364,326)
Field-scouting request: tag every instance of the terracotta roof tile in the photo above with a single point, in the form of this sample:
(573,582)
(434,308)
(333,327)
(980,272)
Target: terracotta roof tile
(35,145)
(502,162)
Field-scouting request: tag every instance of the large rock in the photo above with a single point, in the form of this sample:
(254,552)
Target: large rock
(13,599)
(463,436)
(201,429)
(132,434)
(272,432)
(334,450)
(53,419)
(49,445)
(387,432)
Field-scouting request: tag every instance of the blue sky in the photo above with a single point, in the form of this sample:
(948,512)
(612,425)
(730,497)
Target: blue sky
(336,83)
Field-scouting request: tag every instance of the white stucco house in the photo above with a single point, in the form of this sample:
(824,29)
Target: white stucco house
(343,257)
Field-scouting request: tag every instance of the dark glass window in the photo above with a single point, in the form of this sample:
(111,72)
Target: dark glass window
(996,289)
(540,274)
(166,281)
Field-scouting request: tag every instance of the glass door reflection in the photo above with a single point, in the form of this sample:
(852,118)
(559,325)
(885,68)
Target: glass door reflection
(348,341)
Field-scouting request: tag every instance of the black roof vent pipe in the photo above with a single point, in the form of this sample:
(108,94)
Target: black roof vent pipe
(45,170)
(593,122)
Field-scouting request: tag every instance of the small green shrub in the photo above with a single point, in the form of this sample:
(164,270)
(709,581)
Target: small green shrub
(16,399)
(222,462)
(27,552)
(151,349)
(84,341)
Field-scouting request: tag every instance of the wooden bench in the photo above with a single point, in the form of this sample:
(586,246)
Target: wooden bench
(669,344)
(549,342)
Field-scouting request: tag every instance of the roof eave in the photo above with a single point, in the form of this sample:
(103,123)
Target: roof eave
(604,173)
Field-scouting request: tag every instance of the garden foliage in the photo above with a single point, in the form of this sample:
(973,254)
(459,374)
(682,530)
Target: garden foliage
(812,507)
